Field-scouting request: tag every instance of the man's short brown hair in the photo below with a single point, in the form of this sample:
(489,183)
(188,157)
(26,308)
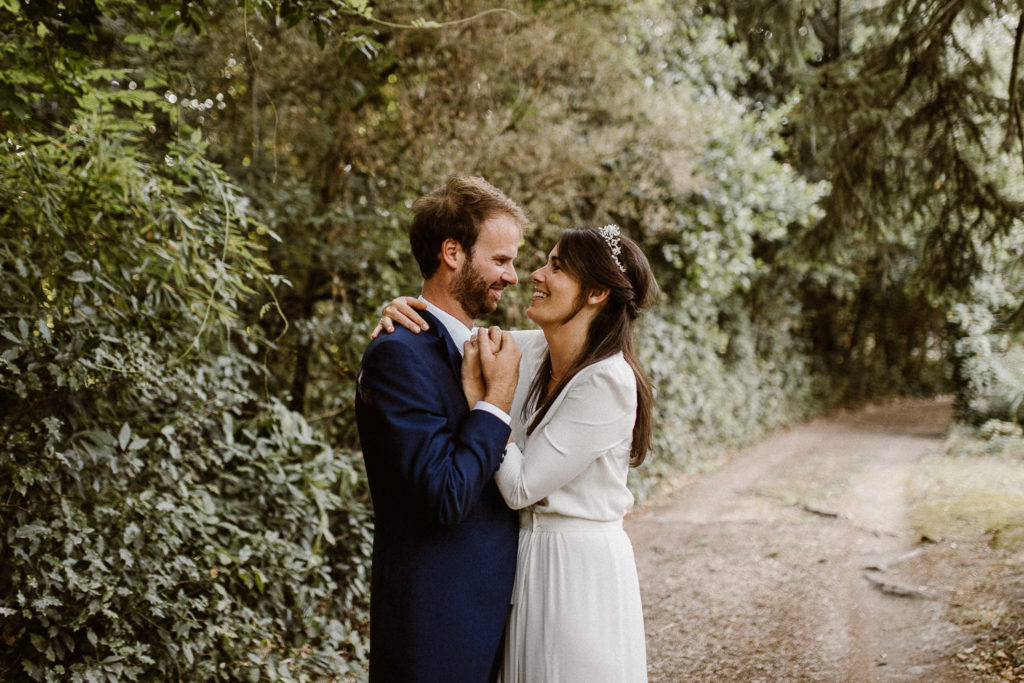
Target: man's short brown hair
(455,211)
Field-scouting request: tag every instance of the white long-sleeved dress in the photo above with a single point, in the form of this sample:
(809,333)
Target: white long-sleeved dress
(576,612)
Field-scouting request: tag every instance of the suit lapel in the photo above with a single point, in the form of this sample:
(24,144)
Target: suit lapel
(452,353)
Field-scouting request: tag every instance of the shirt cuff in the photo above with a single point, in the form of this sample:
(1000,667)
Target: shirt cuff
(494,410)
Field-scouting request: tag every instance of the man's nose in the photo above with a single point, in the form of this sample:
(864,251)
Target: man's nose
(510,275)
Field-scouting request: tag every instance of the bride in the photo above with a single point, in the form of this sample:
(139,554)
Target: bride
(581,418)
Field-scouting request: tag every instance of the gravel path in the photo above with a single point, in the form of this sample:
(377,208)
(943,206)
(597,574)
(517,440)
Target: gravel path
(795,560)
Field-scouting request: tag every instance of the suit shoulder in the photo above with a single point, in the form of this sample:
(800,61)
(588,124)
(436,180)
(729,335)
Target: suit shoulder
(410,354)
(401,340)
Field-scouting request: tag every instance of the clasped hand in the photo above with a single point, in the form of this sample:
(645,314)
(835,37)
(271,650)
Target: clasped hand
(490,368)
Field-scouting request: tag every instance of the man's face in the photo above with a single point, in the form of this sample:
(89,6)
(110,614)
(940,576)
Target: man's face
(489,269)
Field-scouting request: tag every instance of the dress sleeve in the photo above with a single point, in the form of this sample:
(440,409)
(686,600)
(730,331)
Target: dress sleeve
(596,416)
(529,340)
(534,348)
(444,463)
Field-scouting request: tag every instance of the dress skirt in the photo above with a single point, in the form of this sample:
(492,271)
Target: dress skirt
(576,611)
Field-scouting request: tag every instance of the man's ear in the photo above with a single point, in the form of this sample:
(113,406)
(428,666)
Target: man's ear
(597,296)
(452,253)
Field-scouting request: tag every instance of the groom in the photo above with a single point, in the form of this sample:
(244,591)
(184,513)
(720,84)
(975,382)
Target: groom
(444,547)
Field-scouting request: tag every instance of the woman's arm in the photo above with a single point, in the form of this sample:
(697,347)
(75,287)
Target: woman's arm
(595,416)
(401,310)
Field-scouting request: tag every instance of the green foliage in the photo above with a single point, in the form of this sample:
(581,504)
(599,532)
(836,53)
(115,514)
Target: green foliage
(283,118)
(161,519)
(987,347)
(911,111)
(989,366)
(719,383)
(724,348)
(579,133)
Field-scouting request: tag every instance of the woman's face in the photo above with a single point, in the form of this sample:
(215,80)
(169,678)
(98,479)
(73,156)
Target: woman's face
(555,293)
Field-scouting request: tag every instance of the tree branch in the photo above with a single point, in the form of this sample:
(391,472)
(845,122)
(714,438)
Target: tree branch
(1013,124)
(839,29)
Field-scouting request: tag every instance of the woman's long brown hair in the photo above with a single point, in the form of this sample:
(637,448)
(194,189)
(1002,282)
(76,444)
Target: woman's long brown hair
(586,257)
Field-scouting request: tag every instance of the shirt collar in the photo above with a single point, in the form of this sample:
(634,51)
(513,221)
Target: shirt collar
(458,331)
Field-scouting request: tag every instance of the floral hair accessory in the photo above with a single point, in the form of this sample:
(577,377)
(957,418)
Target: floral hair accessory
(611,233)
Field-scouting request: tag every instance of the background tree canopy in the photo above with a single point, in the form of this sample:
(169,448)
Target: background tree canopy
(204,208)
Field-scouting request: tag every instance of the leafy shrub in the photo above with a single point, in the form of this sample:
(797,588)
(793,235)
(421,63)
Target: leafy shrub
(161,520)
(719,383)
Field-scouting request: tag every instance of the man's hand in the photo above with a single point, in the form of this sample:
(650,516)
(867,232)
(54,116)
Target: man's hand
(499,363)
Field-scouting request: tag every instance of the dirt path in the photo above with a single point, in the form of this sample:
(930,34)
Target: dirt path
(795,561)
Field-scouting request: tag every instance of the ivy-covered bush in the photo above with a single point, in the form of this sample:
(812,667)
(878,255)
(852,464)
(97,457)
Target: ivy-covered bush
(160,519)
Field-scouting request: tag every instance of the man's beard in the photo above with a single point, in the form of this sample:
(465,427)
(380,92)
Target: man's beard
(472,292)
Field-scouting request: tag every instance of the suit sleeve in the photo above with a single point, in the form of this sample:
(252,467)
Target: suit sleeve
(443,463)
(596,416)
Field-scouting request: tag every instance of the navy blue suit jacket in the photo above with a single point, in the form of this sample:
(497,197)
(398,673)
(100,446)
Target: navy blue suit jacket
(444,547)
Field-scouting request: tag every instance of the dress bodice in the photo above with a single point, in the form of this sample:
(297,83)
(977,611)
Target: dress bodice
(576,461)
